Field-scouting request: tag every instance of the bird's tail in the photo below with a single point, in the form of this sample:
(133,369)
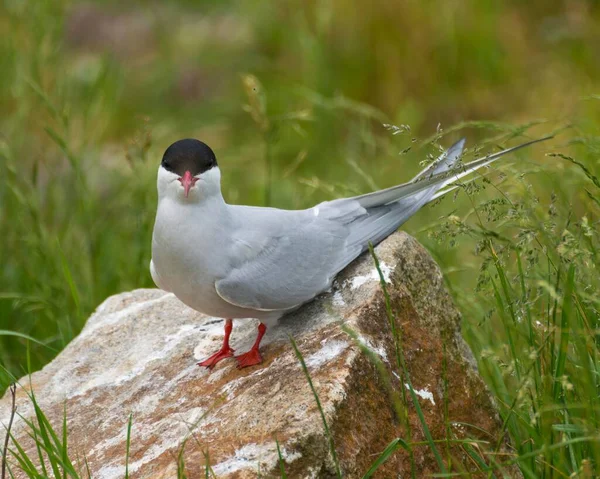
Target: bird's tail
(388,209)
(443,172)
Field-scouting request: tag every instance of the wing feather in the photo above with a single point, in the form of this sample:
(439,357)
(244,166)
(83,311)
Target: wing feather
(291,268)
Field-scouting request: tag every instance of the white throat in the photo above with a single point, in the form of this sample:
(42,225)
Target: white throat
(206,189)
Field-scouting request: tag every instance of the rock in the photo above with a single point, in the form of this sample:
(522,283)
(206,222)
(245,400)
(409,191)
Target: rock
(137,354)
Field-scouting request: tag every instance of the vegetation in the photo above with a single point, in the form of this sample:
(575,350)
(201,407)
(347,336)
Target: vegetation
(293,96)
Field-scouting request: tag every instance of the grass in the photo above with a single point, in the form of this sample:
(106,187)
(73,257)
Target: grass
(536,297)
(128,445)
(293,96)
(334,457)
(401,364)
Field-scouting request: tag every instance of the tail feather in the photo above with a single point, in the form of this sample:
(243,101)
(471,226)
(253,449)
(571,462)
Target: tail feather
(441,166)
(446,175)
(445,162)
(388,209)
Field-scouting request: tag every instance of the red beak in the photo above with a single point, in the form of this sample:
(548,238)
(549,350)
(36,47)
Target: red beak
(187,180)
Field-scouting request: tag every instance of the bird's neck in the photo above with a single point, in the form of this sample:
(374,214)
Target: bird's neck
(213,205)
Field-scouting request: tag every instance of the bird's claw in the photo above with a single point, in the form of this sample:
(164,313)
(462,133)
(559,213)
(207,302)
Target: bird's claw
(211,361)
(251,358)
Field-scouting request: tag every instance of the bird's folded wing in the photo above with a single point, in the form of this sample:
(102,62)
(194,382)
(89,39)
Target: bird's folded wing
(287,270)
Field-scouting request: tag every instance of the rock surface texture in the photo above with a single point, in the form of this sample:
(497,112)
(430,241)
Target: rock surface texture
(138,353)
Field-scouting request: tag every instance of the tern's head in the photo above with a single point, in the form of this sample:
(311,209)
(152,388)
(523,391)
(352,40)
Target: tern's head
(189,172)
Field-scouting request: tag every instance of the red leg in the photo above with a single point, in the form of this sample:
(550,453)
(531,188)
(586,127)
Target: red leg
(224,352)
(253,356)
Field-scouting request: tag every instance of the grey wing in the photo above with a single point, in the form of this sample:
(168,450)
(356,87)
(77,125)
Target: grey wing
(288,268)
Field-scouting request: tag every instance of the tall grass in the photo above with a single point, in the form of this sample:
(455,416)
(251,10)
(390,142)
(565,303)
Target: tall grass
(533,316)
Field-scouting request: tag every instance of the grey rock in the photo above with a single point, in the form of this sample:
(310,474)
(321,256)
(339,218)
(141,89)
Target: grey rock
(137,355)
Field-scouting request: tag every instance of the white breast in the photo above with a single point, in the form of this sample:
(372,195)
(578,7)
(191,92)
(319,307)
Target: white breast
(191,247)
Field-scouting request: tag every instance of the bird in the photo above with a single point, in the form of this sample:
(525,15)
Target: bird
(235,261)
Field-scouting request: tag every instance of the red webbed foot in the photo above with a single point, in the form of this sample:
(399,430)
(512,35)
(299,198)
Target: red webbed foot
(250,358)
(224,352)
(211,361)
(253,356)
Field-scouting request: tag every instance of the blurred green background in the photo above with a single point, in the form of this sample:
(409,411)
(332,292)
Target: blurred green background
(293,97)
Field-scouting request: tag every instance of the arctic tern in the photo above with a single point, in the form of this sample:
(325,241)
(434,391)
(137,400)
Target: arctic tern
(234,262)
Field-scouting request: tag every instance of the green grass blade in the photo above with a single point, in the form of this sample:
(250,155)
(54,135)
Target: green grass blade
(500,301)
(208,470)
(476,457)
(281,461)
(320,408)
(39,451)
(424,425)
(46,443)
(64,450)
(128,445)
(49,442)
(75,295)
(593,178)
(566,315)
(4,332)
(87,468)
(402,365)
(13,412)
(385,455)
(22,458)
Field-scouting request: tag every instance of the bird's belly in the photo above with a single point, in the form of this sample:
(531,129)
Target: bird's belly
(194,285)
(205,299)
(192,282)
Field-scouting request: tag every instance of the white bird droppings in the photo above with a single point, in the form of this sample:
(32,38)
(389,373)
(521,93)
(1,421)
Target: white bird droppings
(386,271)
(338,299)
(379,350)
(330,350)
(248,457)
(423,393)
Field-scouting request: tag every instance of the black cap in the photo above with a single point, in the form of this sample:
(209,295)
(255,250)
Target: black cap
(188,155)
